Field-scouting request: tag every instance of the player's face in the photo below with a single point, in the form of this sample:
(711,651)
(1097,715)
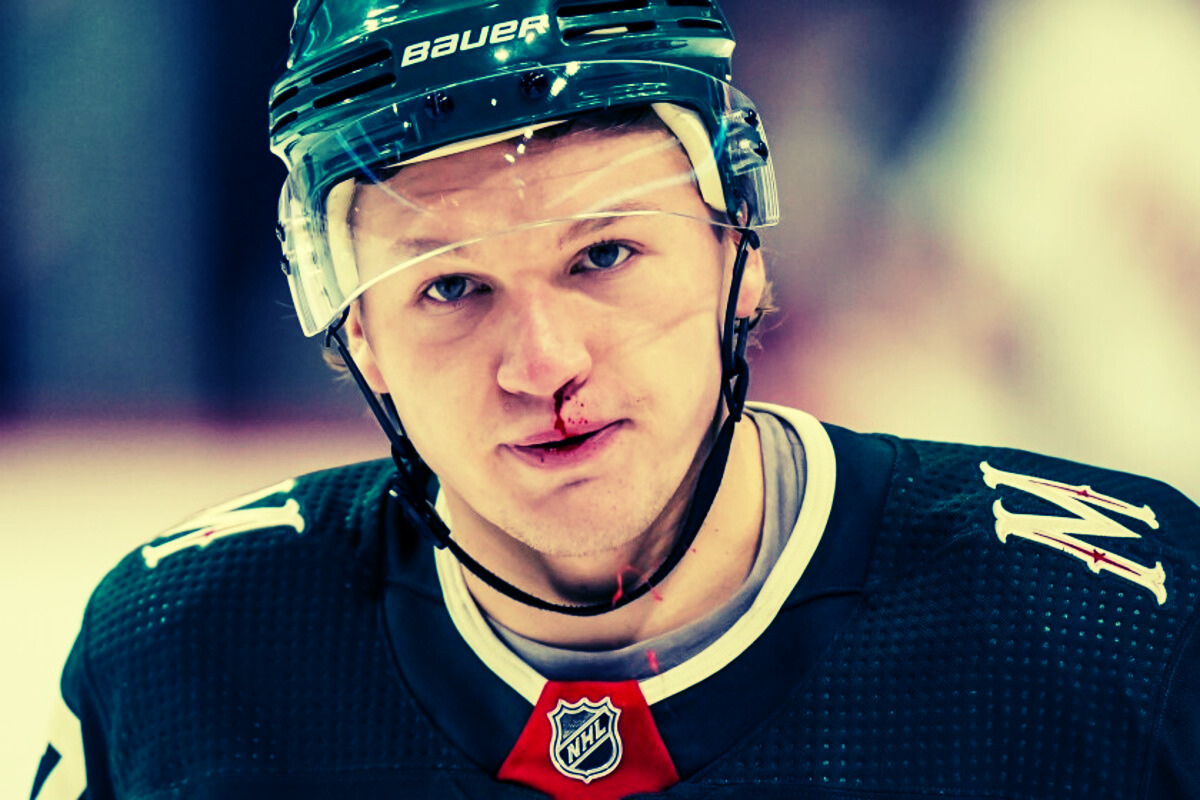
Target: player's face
(558,379)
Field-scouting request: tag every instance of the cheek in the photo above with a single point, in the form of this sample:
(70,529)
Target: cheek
(670,355)
(442,420)
(436,393)
(436,389)
(678,318)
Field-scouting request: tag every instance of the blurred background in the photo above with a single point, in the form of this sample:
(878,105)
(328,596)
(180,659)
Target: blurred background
(990,235)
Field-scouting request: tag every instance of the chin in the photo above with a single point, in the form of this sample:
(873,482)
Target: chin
(581,533)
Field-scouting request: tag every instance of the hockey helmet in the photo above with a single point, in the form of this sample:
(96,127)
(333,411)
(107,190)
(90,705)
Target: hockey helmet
(372,86)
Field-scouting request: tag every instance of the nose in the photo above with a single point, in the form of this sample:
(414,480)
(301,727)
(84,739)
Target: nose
(545,349)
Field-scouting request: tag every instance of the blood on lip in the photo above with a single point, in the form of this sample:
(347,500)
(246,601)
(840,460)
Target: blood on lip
(571,429)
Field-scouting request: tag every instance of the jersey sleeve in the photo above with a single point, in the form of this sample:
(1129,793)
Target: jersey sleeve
(75,763)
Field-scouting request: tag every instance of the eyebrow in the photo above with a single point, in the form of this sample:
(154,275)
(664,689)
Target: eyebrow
(422,245)
(577,229)
(582,227)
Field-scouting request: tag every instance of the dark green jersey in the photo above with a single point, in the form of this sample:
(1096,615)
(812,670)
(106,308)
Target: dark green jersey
(945,622)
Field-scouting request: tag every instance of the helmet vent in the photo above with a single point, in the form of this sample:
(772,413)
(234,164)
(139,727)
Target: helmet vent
(595,31)
(284,121)
(354,90)
(284,96)
(707,24)
(354,65)
(584,21)
(602,7)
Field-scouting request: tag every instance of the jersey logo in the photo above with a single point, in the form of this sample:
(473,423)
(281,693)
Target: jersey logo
(229,519)
(1061,532)
(585,743)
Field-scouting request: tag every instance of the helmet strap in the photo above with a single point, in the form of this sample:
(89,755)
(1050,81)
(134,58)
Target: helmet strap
(409,502)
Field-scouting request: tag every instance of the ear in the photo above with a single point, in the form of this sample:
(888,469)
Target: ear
(754,280)
(361,351)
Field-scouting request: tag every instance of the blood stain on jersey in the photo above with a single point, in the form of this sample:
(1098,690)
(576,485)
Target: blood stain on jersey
(1056,531)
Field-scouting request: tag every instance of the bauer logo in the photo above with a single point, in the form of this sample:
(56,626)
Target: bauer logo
(526,30)
(585,743)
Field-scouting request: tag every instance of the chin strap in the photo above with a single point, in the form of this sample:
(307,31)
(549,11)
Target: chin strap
(409,494)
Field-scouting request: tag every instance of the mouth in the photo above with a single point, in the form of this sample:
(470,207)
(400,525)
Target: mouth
(544,450)
(561,445)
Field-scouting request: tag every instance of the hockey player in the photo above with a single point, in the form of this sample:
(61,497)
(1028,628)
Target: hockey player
(589,568)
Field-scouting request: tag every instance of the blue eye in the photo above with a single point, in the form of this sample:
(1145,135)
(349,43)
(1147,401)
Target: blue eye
(604,255)
(452,288)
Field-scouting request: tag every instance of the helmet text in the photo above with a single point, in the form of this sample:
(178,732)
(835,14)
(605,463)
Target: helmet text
(526,29)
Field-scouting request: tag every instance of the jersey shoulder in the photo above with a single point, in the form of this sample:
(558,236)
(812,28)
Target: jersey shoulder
(1014,603)
(267,542)
(310,510)
(1132,532)
(245,646)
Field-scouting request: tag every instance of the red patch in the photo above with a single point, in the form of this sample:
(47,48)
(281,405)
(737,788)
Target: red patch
(643,763)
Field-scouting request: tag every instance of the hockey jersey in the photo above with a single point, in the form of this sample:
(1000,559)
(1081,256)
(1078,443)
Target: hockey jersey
(945,621)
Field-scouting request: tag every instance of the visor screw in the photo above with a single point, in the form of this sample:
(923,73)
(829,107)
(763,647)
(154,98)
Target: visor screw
(286,266)
(280,233)
(762,151)
(751,118)
(438,105)
(534,85)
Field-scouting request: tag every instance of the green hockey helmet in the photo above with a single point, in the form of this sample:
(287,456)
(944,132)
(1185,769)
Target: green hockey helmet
(372,86)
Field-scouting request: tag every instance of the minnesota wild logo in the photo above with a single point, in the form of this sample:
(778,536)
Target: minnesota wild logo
(1083,519)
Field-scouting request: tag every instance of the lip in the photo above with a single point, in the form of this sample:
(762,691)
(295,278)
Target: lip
(539,450)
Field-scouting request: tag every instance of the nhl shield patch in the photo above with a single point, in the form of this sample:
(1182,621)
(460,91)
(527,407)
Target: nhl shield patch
(585,740)
(593,738)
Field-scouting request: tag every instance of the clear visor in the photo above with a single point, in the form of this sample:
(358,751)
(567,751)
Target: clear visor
(589,191)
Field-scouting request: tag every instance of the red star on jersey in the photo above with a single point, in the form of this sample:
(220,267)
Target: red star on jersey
(1098,556)
(1084,492)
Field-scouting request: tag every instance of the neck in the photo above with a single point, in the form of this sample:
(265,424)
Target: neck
(714,567)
